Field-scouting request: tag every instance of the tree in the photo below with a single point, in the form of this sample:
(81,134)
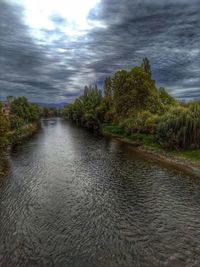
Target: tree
(4,124)
(108,89)
(25,112)
(179,128)
(20,108)
(10,99)
(134,90)
(84,110)
(166,99)
(132,101)
(146,66)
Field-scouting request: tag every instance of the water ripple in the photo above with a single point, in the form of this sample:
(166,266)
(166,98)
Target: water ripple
(76,199)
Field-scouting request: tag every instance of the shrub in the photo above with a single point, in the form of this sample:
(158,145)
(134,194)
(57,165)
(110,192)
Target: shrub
(180,128)
(151,123)
(142,122)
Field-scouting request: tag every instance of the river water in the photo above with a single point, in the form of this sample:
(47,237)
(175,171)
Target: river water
(72,198)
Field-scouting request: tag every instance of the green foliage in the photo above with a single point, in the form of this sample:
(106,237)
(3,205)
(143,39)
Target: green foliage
(18,123)
(23,112)
(108,87)
(180,127)
(134,106)
(135,138)
(166,100)
(135,90)
(86,110)
(191,154)
(20,108)
(114,130)
(130,98)
(35,112)
(126,95)
(50,112)
(142,122)
(146,66)
(4,124)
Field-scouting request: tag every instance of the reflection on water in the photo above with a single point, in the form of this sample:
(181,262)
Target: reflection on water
(5,167)
(76,199)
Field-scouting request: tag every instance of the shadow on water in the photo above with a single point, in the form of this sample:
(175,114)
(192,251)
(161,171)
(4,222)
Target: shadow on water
(171,165)
(5,165)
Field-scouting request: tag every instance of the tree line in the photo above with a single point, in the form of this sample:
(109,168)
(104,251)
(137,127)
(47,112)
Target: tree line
(132,101)
(22,113)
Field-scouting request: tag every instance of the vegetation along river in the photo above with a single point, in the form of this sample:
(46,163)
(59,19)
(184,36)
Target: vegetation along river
(72,198)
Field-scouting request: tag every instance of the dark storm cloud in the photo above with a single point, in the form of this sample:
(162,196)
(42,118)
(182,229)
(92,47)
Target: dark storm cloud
(20,58)
(52,66)
(165,31)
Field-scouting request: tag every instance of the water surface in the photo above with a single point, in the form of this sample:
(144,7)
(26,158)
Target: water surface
(76,199)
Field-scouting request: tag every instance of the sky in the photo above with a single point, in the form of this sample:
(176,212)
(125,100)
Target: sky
(51,49)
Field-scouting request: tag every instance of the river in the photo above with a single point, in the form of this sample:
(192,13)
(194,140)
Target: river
(73,198)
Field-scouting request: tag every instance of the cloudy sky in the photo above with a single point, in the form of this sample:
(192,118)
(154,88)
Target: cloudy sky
(49,49)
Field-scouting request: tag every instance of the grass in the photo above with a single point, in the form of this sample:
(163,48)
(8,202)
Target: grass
(113,130)
(137,138)
(193,155)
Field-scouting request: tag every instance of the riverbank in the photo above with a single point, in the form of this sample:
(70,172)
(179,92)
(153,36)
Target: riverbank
(19,135)
(11,139)
(189,160)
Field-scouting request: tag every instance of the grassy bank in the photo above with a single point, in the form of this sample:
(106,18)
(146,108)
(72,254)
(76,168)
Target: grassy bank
(137,139)
(19,135)
(190,159)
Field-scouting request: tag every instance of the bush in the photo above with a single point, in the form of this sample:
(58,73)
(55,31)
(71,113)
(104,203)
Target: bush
(180,128)
(4,124)
(151,123)
(142,122)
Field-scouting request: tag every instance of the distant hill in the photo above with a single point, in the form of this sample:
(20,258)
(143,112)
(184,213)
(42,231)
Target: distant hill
(52,105)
